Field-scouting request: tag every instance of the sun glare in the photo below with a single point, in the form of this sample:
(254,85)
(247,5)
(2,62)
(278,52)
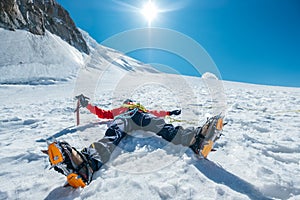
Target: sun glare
(149,11)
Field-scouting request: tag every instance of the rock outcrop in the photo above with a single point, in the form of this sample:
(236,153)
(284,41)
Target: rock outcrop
(37,16)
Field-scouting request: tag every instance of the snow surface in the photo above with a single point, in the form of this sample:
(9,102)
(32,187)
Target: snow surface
(257,158)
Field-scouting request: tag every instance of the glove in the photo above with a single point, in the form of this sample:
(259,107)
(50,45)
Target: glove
(83,100)
(175,112)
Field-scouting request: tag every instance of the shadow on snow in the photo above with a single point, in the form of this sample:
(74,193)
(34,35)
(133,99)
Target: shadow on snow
(72,129)
(219,175)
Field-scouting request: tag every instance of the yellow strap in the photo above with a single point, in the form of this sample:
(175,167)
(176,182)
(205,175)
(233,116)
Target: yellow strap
(172,120)
(135,105)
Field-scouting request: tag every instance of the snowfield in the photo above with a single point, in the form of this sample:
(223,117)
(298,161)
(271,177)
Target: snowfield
(257,158)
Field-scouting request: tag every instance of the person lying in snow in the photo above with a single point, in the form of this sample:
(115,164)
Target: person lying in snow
(79,166)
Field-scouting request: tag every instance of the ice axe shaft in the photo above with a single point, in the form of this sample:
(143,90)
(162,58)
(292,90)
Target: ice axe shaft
(77,113)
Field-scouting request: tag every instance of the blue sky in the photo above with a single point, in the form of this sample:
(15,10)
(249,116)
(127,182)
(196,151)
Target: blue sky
(253,41)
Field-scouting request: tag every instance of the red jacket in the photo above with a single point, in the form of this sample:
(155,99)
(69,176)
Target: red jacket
(110,114)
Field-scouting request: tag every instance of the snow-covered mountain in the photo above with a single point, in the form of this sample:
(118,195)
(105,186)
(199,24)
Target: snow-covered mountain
(257,158)
(40,16)
(34,59)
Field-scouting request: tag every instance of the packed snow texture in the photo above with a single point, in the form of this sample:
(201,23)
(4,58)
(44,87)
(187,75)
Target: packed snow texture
(257,158)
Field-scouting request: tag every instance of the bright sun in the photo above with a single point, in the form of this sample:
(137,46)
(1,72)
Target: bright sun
(149,11)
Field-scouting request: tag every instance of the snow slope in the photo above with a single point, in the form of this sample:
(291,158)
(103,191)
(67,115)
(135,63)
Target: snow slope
(258,158)
(32,59)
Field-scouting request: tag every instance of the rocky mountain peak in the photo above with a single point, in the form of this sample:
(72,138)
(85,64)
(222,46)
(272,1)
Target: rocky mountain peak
(37,16)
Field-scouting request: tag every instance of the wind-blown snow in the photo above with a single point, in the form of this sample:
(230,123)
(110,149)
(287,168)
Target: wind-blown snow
(257,158)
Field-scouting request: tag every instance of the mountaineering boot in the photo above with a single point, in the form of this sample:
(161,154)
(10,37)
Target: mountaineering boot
(207,135)
(196,143)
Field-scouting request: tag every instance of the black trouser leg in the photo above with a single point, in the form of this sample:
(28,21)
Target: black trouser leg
(112,138)
(176,135)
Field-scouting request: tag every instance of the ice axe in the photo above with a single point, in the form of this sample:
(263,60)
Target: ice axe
(80,100)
